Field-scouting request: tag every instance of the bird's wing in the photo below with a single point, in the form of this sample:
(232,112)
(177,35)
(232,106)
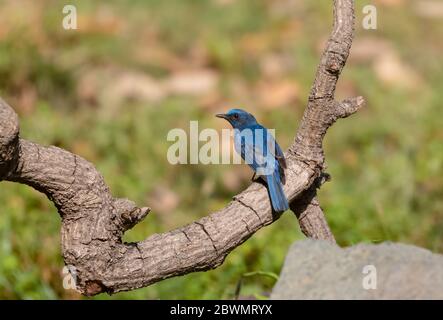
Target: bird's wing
(252,151)
(260,150)
(274,149)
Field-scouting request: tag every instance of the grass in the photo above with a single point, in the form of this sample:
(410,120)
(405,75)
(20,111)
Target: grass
(386,162)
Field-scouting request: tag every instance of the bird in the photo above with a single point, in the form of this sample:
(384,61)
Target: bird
(261,152)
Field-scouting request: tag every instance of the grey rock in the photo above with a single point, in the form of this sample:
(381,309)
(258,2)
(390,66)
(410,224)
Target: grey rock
(316,269)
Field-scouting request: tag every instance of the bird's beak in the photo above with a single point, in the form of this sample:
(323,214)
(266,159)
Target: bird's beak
(222,115)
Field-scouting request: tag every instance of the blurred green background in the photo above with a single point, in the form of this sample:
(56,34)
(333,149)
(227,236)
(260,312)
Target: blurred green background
(111,90)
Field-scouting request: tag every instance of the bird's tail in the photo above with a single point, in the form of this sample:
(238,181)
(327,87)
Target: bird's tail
(278,198)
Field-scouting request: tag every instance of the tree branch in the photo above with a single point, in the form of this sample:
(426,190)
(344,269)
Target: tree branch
(321,112)
(93,222)
(309,213)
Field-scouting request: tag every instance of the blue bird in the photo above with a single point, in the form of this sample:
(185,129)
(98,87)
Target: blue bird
(261,152)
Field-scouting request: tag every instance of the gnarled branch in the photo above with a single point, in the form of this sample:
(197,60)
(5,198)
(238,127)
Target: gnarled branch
(93,221)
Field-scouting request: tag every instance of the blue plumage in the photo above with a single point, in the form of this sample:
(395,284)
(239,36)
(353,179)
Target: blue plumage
(261,152)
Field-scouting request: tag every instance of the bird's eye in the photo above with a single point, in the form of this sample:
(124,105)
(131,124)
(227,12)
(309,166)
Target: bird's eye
(235,116)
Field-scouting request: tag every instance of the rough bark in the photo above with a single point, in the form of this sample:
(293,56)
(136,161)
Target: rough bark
(93,221)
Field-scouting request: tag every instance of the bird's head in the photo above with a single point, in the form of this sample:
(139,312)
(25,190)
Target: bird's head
(238,118)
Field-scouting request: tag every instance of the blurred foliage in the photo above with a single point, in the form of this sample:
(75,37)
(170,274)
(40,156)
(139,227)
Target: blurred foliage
(111,90)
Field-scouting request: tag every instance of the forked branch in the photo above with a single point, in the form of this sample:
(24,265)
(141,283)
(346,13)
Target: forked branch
(93,221)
